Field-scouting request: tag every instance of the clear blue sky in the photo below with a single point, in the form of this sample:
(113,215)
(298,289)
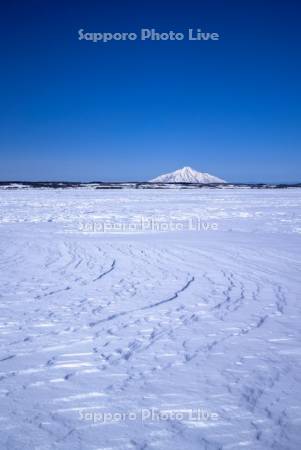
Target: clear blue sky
(74,110)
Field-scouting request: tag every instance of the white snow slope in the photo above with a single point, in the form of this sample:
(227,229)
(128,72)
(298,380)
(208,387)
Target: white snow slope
(95,323)
(187,175)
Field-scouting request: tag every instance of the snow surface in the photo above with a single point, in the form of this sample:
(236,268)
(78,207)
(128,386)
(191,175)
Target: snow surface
(187,175)
(121,321)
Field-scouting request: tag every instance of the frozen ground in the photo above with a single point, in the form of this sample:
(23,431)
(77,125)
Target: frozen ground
(95,323)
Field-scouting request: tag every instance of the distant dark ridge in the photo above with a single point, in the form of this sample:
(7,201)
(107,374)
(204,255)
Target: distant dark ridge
(139,185)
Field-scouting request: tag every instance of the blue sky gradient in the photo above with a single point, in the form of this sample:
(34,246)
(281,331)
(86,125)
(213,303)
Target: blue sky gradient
(75,110)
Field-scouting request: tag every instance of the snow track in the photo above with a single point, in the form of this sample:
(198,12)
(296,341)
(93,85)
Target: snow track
(105,323)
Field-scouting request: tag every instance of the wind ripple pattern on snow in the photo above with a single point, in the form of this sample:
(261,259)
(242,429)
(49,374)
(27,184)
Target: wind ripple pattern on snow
(102,322)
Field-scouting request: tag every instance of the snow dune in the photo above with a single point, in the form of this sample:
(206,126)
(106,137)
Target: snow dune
(95,323)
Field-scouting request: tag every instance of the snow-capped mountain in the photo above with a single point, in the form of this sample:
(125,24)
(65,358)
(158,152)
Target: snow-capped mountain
(187,175)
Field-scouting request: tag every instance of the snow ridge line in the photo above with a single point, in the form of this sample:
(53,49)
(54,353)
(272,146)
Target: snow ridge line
(152,305)
(108,271)
(175,295)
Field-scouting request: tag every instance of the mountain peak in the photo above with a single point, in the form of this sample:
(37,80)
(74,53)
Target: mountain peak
(187,175)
